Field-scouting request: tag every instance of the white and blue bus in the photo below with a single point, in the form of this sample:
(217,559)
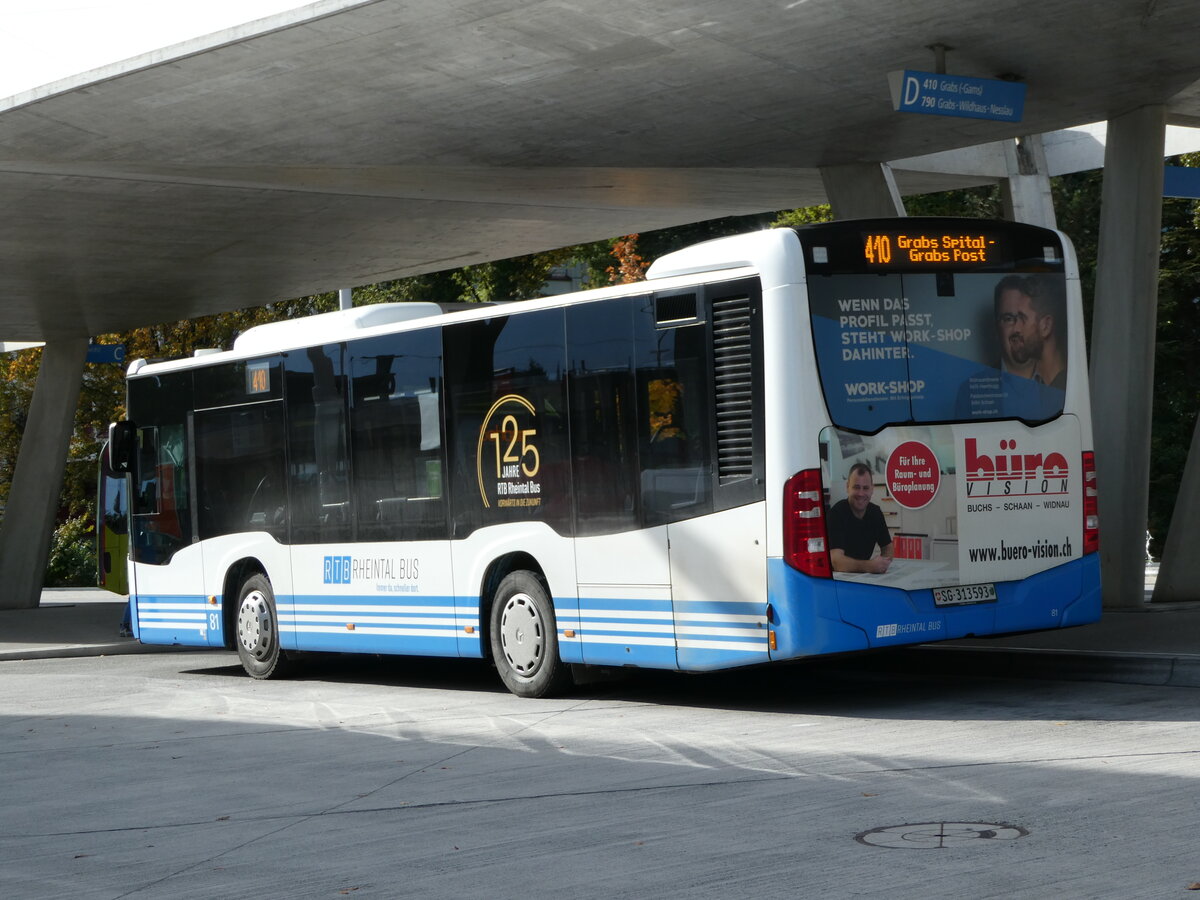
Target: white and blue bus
(795,442)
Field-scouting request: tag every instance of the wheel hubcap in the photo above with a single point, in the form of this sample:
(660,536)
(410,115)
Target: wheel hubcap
(522,634)
(254,625)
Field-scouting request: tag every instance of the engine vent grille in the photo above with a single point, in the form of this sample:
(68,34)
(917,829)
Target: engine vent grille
(733,371)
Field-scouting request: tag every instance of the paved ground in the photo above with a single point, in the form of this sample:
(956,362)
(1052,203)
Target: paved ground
(135,774)
(1152,645)
(172,776)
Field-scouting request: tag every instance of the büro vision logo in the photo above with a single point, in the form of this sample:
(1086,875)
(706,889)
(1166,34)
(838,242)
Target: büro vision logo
(1011,473)
(337,570)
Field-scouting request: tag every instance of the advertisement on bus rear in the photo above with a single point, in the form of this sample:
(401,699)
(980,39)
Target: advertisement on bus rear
(934,506)
(940,347)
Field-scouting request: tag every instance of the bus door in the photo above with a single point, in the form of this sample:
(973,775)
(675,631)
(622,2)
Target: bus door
(625,614)
(622,567)
(240,490)
(623,571)
(167,572)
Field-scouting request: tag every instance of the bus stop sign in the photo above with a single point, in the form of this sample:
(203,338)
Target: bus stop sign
(106,353)
(936,94)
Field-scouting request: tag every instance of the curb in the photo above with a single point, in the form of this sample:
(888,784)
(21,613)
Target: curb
(75,651)
(1158,669)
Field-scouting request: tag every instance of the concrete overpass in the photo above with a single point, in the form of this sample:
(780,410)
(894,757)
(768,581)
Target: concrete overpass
(348,142)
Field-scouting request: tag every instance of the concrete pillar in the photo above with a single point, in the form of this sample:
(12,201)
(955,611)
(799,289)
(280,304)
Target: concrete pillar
(1179,574)
(862,191)
(37,479)
(1122,351)
(1026,191)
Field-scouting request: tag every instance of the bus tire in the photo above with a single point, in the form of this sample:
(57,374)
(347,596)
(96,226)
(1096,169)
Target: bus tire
(524,637)
(258,630)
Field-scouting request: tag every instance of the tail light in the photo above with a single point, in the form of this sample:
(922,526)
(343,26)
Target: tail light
(1091,512)
(805,547)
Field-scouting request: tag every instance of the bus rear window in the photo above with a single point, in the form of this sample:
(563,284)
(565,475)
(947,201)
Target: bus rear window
(924,347)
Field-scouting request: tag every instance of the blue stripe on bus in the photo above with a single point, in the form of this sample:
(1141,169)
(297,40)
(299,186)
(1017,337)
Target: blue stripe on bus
(641,604)
(725,608)
(185,620)
(654,633)
(366,641)
(409,624)
(717,634)
(625,632)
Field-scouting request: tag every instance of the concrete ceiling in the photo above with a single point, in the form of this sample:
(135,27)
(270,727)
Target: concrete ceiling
(350,142)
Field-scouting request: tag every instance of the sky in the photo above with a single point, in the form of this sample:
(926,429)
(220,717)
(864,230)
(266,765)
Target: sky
(43,41)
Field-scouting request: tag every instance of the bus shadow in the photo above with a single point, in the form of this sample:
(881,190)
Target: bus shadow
(888,685)
(397,671)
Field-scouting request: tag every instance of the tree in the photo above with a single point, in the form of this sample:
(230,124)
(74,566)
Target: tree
(518,278)
(1176,380)
(630,265)
(808,215)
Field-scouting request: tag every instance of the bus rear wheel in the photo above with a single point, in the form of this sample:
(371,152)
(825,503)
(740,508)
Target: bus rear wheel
(524,638)
(258,630)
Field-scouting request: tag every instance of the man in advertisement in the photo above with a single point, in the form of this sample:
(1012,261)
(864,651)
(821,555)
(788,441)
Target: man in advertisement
(856,526)
(1016,327)
(1028,326)
(1032,365)
(1050,314)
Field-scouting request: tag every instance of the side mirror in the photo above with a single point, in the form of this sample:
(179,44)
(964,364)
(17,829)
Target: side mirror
(122,440)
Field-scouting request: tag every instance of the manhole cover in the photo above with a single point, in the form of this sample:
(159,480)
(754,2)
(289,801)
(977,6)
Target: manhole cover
(935,835)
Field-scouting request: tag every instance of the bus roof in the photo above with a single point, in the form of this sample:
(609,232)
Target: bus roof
(719,259)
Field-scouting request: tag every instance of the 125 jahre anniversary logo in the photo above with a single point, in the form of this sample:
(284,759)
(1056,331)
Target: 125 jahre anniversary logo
(507,460)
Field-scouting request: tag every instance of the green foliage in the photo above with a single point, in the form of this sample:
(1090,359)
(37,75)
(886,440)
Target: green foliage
(807,215)
(519,278)
(17,373)
(653,244)
(1176,377)
(72,554)
(436,287)
(611,261)
(974,203)
(1077,208)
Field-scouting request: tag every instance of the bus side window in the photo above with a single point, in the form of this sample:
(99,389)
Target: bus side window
(396,437)
(239,470)
(159,501)
(673,417)
(161,495)
(603,411)
(161,507)
(319,474)
(145,496)
(508,422)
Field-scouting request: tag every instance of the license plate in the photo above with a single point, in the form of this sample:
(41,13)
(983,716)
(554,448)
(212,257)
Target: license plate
(964,593)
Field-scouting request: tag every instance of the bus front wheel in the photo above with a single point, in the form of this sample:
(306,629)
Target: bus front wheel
(524,637)
(258,630)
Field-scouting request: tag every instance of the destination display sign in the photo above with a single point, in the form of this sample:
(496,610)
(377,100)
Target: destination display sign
(934,94)
(258,377)
(918,248)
